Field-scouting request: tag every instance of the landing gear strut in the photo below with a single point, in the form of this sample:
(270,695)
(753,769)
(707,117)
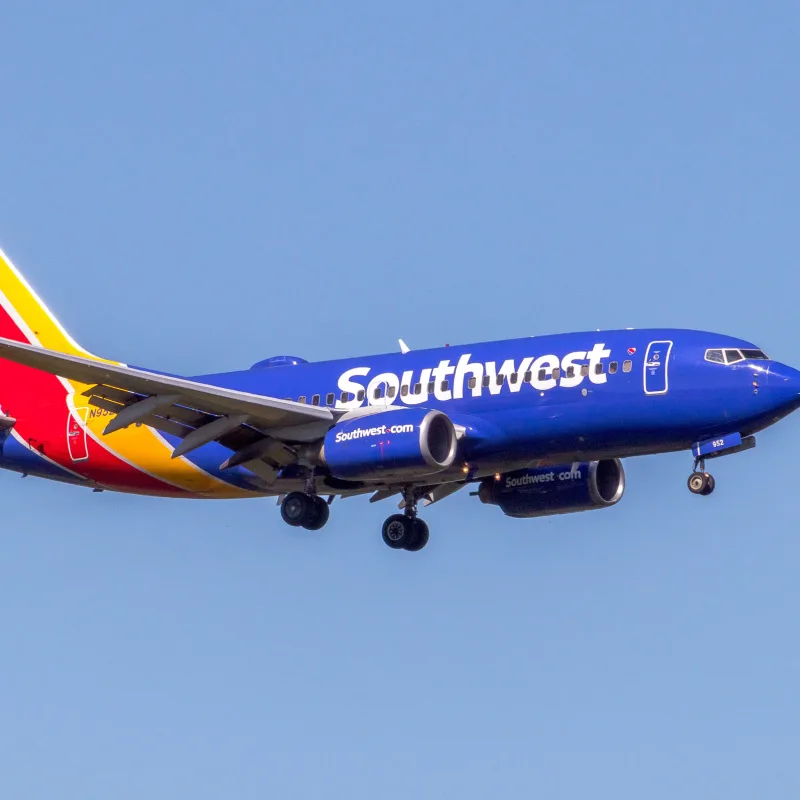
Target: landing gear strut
(302,510)
(406,531)
(701,482)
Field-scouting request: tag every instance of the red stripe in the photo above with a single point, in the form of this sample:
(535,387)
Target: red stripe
(38,401)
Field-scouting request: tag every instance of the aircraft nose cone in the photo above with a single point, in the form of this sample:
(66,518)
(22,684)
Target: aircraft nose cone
(784,383)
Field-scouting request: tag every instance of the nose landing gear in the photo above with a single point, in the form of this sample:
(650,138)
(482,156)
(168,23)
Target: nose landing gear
(701,482)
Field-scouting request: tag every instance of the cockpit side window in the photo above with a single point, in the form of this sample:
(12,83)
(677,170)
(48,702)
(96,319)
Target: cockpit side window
(716,356)
(732,356)
(755,355)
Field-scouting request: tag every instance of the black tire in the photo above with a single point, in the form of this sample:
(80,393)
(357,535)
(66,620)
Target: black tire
(698,482)
(318,515)
(419,538)
(397,530)
(295,508)
(710,485)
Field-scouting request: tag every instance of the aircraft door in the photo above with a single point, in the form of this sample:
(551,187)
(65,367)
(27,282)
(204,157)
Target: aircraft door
(76,434)
(656,367)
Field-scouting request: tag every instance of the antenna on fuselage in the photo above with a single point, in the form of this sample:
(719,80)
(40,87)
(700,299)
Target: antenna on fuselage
(404,348)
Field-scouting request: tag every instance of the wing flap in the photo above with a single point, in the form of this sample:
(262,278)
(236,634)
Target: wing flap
(248,445)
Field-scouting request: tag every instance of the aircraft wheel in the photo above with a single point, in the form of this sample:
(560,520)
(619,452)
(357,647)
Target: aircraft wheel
(296,508)
(420,536)
(398,531)
(319,512)
(710,486)
(701,483)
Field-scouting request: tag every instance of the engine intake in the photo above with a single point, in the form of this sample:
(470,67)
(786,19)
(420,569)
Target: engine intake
(401,444)
(556,490)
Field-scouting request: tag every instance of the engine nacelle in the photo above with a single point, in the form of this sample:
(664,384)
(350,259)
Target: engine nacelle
(404,444)
(556,490)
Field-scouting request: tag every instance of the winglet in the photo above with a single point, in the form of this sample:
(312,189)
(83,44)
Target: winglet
(404,348)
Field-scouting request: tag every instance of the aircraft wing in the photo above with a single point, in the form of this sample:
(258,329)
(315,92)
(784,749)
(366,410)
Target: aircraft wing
(254,426)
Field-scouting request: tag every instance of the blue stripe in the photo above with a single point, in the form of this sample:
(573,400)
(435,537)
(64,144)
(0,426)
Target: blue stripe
(16,457)
(210,456)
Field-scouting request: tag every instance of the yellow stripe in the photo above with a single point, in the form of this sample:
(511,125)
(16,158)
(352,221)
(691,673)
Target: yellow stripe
(140,446)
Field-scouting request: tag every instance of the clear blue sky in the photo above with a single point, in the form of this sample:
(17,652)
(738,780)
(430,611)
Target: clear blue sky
(195,188)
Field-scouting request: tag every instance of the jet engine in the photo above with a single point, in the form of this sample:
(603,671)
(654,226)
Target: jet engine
(402,444)
(543,491)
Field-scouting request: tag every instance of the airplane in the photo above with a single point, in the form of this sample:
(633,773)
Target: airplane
(535,426)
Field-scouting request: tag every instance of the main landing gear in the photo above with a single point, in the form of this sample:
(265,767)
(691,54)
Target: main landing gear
(406,531)
(402,532)
(302,510)
(701,482)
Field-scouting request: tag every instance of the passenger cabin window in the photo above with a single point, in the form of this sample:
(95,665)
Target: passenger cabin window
(542,374)
(585,370)
(445,386)
(360,396)
(329,399)
(486,380)
(732,356)
(392,391)
(627,366)
(315,400)
(556,373)
(571,371)
(346,397)
(500,378)
(431,387)
(527,377)
(403,391)
(301,399)
(598,369)
(612,367)
(513,377)
(417,388)
(472,382)
(378,393)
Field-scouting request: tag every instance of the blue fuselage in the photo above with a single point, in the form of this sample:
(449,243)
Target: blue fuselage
(552,399)
(561,397)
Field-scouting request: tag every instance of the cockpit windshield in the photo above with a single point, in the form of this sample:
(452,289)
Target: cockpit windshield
(732,356)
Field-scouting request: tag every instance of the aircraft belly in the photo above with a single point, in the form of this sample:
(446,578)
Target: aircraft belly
(15,456)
